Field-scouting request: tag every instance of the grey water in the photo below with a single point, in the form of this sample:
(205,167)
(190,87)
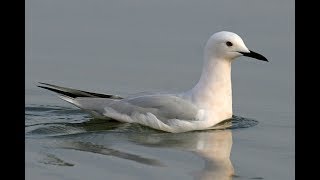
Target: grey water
(123,47)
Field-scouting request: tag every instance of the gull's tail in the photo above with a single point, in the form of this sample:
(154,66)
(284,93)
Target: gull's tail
(93,103)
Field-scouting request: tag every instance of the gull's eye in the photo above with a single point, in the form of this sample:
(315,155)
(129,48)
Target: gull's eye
(228,43)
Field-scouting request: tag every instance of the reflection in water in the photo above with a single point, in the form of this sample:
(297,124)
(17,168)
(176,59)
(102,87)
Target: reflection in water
(99,149)
(213,146)
(54,160)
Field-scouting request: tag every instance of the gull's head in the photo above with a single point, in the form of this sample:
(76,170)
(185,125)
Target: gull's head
(228,46)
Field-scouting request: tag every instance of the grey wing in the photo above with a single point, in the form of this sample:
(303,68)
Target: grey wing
(164,107)
(94,106)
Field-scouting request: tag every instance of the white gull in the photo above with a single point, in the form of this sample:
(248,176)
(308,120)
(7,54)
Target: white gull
(205,105)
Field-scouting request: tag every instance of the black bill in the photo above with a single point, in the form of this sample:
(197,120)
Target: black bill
(254,55)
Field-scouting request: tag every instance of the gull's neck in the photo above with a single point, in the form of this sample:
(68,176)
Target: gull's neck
(213,91)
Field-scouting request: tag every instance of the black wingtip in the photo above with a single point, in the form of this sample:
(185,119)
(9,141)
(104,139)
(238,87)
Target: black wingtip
(58,91)
(46,84)
(74,93)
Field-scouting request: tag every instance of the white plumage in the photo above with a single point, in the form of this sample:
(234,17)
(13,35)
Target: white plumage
(205,105)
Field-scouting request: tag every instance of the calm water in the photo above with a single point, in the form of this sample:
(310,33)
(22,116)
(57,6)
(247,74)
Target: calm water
(125,47)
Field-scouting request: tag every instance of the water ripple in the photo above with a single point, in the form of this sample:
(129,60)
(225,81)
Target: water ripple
(56,121)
